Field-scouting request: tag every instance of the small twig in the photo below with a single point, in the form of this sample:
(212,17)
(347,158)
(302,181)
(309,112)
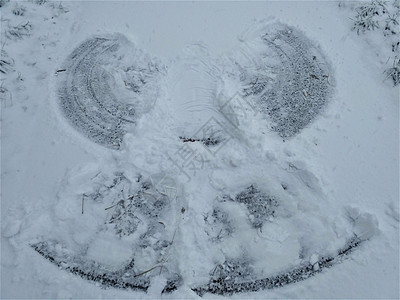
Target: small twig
(155,188)
(113,220)
(166,255)
(163,260)
(114,205)
(95,175)
(161,193)
(215,269)
(219,234)
(150,194)
(327,79)
(147,271)
(83,201)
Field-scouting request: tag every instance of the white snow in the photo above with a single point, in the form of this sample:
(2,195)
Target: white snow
(342,170)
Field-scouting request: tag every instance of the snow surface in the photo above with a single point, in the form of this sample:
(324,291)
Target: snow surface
(335,179)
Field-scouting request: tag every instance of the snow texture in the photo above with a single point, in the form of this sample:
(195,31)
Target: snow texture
(257,214)
(260,206)
(87,88)
(286,77)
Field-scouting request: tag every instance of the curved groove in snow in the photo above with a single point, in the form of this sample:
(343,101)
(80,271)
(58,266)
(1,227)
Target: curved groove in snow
(224,285)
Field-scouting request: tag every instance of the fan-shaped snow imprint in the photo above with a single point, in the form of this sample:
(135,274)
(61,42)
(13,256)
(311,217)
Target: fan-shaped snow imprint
(86,88)
(287,77)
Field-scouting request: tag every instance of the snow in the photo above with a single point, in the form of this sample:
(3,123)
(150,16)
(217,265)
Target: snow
(98,205)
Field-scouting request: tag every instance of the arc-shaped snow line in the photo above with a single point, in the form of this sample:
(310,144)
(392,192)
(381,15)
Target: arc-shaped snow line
(293,81)
(85,95)
(93,271)
(222,287)
(125,278)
